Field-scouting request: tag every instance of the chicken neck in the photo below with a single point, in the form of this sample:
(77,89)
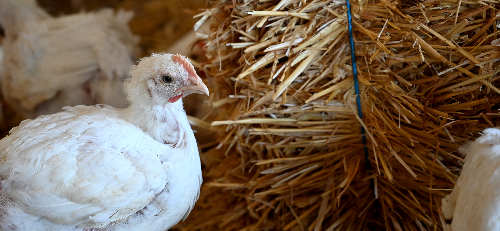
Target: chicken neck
(167,124)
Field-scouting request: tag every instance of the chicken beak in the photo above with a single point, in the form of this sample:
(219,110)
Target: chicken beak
(197,86)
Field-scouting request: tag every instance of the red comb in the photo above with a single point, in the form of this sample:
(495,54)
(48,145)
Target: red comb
(186,64)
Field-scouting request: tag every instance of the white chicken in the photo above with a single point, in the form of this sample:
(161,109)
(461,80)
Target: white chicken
(51,62)
(474,203)
(97,167)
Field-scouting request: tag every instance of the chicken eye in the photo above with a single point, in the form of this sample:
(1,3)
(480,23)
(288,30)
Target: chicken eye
(167,78)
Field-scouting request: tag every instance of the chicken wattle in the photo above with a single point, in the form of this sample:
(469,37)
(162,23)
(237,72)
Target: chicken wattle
(97,167)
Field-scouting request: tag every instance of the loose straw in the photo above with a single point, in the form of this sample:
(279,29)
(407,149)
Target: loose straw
(358,98)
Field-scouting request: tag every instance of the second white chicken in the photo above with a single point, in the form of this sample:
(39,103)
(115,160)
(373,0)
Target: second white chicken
(51,62)
(474,203)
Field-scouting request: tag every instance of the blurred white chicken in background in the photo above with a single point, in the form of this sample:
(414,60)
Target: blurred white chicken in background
(50,62)
(474,203)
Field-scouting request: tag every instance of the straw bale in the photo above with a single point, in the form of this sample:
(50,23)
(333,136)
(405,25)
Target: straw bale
(290,156)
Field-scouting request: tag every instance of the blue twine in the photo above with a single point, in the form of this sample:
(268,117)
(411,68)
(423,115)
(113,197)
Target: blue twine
(356,88)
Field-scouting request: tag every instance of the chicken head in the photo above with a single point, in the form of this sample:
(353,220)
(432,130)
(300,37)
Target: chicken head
(163,78)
